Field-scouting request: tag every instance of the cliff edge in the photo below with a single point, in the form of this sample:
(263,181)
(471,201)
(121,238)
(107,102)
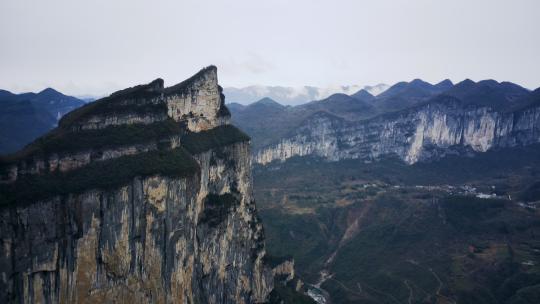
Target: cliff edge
(144,196)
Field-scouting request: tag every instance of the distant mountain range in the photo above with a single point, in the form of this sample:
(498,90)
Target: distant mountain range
(26,116)
(294,95)
(414,120)
(425,193)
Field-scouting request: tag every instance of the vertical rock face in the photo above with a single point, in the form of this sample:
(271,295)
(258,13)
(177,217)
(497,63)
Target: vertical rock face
(199,104)
(444,126)
(174,223)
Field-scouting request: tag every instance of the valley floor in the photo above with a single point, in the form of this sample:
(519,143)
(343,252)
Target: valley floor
(456,231)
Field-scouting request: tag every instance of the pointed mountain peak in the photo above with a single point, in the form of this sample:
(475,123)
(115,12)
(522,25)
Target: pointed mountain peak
(198,102)
(49,92)
(363,95)
(418,81)
(266,101)
(377,89)
(419,84)
(446,84)
(206,77)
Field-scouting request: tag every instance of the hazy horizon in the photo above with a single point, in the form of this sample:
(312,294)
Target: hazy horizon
(83,94)
(99,47)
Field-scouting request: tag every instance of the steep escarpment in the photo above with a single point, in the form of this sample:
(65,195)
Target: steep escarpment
(143,197)
(444,125)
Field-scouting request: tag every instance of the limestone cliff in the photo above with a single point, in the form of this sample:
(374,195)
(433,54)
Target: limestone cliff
(141,197)
(442,126)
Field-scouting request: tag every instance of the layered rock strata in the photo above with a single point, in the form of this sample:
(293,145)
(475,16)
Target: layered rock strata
(149,215)
(426,132)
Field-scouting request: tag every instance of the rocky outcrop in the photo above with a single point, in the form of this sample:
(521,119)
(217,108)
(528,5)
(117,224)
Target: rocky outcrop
(168,223)
(285,269)
(196,104)
(288,287)
(426,132)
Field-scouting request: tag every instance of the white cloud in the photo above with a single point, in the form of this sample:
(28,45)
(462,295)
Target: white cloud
(90,44)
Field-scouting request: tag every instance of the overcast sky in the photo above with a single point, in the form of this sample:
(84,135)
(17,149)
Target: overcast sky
(98,46)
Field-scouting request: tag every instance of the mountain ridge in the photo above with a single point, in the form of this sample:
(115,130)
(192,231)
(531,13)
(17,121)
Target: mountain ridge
(434,114)
(149,187)
(294,95)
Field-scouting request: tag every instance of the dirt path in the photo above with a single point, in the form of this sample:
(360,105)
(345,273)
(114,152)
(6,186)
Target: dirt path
(439,281)
(438,293)
(351,231)
(411,294)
